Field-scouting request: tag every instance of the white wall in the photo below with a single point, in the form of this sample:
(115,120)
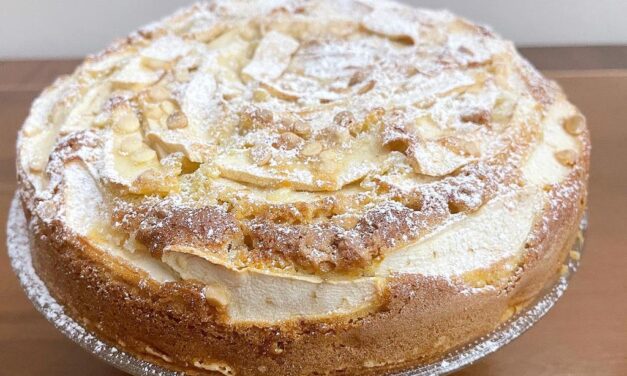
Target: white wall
(71,28)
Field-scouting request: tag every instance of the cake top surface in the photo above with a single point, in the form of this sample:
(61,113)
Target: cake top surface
(305,137)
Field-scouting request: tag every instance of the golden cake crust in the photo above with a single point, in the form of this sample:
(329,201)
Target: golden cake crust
(173,325)
(269,191)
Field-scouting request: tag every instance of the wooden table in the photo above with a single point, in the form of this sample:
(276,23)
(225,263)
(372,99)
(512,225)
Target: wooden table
(585,334)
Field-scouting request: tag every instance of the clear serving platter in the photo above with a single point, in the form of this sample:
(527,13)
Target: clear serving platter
(20,255)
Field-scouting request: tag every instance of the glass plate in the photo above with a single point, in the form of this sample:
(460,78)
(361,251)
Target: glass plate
(19,253)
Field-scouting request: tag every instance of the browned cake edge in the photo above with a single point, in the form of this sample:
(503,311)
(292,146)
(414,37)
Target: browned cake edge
(172,324)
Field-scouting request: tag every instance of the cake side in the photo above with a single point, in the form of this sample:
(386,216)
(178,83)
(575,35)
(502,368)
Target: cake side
(115,301)
(149,320)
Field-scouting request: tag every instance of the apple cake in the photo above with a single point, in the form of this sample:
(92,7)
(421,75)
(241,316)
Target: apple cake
(296,187)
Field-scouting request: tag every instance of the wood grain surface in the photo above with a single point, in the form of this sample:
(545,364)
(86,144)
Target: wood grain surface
(584,334)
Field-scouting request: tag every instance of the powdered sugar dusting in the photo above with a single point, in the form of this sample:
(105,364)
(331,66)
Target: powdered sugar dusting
(304,140)
(390,120)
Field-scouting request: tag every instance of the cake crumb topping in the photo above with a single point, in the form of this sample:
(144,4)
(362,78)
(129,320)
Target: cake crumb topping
(312,137)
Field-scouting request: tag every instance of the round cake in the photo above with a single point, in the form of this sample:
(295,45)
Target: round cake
(295,187)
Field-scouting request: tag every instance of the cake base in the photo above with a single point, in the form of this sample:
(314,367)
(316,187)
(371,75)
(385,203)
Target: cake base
(19,251)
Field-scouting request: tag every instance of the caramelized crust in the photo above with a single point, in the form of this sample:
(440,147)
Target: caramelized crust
(161,226)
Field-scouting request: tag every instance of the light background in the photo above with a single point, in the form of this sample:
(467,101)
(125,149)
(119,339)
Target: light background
(73,28)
